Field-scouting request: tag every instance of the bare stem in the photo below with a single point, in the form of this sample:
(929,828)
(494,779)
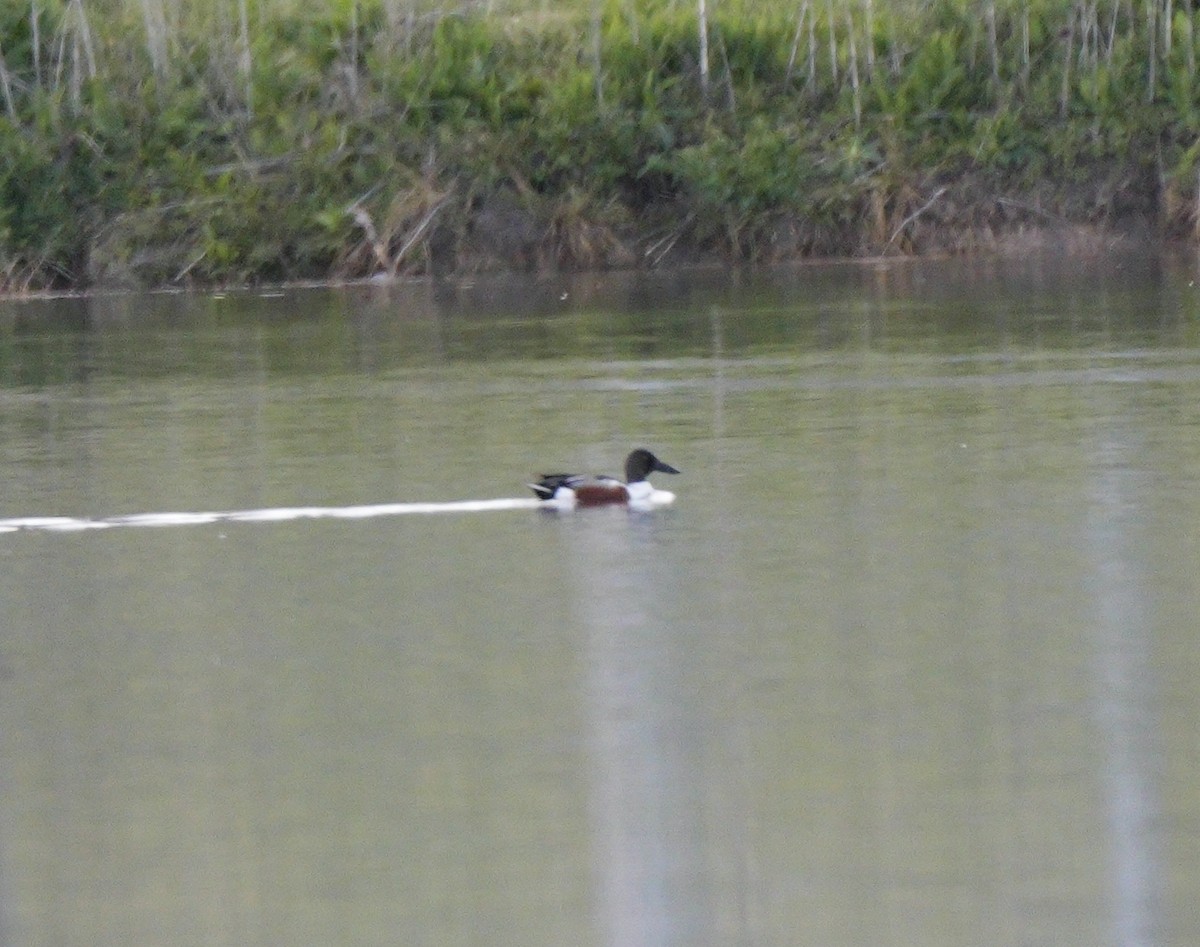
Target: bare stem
(796,39)
(833,64)
(156,36)
(416,235)
(1152,53)
(597,64)
(869,37)
(1190,42)
(1168,21)
(245,63)
(914,215)
(1065,92)
(1112,33)
(6,88)
(1025,46)
(35,18)
(854,68)
(812,49)
(993,45)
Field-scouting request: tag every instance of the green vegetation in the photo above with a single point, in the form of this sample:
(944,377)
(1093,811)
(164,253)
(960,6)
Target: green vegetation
(167,141)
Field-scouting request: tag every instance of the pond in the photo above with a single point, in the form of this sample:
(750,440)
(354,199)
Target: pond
(912,659)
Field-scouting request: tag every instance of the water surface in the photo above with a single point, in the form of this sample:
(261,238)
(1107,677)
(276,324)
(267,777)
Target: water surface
(912,660)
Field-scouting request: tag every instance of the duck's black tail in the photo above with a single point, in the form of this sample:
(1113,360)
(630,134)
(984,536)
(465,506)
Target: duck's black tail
(549,484)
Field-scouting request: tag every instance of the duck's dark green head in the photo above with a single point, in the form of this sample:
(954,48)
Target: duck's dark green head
(641,462)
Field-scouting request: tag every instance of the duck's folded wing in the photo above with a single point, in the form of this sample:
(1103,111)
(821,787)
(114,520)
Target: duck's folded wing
(549,484)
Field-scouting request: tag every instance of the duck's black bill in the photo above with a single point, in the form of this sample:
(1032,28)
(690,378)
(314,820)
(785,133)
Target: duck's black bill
(663,468)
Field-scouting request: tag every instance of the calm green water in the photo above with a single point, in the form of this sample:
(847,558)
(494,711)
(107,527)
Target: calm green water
(913,660)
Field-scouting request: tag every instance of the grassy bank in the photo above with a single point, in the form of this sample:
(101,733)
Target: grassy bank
(165,141)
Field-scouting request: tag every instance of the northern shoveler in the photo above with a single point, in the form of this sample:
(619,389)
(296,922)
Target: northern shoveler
(570,490)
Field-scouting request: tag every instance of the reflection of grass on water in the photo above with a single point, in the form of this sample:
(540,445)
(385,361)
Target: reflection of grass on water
(158,142)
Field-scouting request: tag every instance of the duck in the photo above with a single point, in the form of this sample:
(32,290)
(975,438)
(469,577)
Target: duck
(566,491)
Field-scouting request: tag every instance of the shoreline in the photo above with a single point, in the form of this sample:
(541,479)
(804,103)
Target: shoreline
(1060,240)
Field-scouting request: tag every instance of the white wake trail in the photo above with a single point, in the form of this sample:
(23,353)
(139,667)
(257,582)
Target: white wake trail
(67,524)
